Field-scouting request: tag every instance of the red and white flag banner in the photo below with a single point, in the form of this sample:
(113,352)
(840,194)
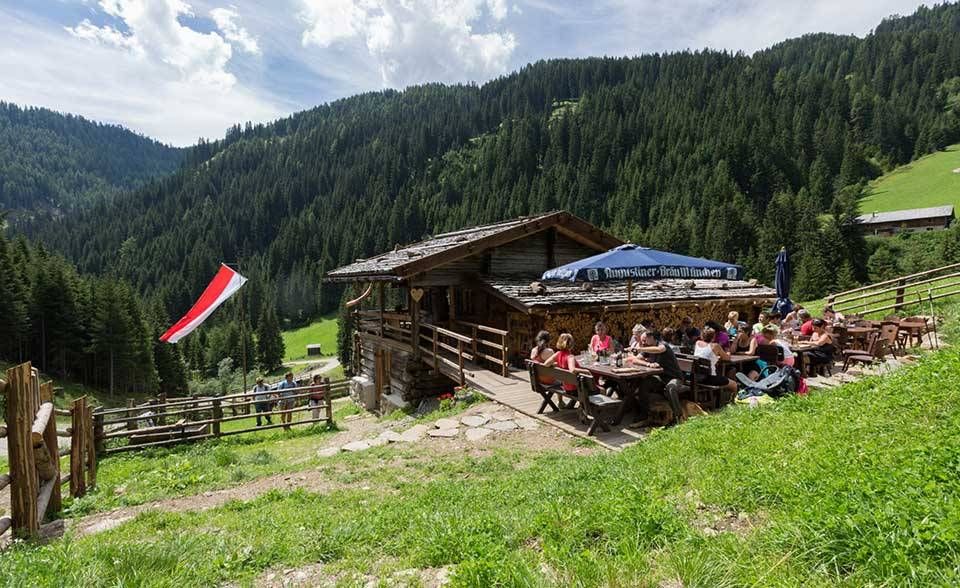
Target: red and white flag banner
(222,287)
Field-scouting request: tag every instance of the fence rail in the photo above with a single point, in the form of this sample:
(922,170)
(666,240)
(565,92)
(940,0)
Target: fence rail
(894,295)
(203,418)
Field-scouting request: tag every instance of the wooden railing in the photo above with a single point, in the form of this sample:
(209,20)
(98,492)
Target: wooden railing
(446,350)
(34,454)
(137,427)
(488,344)
(893,295)
(388,325)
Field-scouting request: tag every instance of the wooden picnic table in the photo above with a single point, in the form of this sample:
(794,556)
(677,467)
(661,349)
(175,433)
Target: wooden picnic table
(629,381)
(735,363)
(800,350)
(858,336)
(915,330)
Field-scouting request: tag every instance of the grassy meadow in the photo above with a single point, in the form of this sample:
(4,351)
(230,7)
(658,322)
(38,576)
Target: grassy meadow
(323,331)
(928,181)
(855,486)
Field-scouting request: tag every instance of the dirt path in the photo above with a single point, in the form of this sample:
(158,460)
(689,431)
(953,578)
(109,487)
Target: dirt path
(320,480)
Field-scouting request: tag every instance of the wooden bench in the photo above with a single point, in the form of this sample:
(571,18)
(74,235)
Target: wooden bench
(595,409)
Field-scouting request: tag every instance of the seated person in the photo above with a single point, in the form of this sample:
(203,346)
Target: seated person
(690,337)
(541,352)
(741,343)
(823,354)
(685,325)
(723,338)
(792,320)
(638,330)
(565,358)
(707,348)
(773,322)
(831,317)
(733,319)
(806,323)
(656,353)
(667,337)
(601,341)
(762,321)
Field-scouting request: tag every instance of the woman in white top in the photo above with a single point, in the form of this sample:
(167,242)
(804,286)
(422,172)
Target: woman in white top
(707,348)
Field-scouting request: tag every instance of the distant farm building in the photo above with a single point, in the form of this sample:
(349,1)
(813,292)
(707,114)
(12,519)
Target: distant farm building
(472,300)
(915,219)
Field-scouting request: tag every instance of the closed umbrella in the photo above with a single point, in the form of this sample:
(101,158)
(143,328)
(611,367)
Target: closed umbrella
(783,305)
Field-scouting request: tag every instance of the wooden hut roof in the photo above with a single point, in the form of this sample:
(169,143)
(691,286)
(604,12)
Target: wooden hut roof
(407,261)
(522,295)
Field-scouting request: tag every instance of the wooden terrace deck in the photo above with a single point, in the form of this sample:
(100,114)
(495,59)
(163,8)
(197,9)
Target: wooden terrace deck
(514,391)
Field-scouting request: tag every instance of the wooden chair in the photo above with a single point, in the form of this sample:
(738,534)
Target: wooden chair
(770,353)
(890,333)
(705,395)
(876,349)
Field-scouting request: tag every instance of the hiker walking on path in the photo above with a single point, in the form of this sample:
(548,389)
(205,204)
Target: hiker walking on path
(261,401)
(287,389)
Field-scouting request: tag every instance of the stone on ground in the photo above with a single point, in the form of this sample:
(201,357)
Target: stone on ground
(502,415)
(328,452)
(526,423)
(376,441)
(446,424)
(478,433)
(476,420)
(356,446)
(391,436)
(414,433)
(445,433)
(502,425)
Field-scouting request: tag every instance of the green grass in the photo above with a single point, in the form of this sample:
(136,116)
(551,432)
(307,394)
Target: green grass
(323,331)
(859,485)
(928,181)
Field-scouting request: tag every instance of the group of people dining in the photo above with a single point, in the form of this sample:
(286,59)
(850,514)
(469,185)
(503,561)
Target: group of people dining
(653,347)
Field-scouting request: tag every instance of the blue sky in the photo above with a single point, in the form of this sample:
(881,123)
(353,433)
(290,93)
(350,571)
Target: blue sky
(177,70)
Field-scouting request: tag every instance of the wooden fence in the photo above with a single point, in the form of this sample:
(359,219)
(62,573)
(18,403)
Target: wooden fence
(891,296)
(34,453)
(157,424)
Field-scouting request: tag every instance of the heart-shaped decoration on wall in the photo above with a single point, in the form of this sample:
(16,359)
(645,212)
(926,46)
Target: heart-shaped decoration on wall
(416,294)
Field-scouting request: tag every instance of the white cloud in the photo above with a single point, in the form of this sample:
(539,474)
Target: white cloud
(226,19)
(415,41)
(156,34)
(110,82)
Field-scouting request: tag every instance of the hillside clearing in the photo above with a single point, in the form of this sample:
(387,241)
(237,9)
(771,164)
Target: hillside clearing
(323,331)
(800,492)
(928,181)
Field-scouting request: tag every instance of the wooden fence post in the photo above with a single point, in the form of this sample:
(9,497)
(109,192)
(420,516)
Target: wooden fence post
(89,443)
(329,409)
(217,415)
(162,408)
(77,481)
(23,469)
(98,440)
(131,415)
(53,448)
(900,291)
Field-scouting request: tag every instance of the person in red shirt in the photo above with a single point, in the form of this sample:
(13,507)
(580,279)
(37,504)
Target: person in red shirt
(806,323)
(566,359)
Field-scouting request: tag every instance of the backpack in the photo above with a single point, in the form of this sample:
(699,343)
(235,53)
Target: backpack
(786,380)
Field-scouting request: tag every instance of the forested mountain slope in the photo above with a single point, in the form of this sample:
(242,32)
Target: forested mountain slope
(708,153)
(52,161)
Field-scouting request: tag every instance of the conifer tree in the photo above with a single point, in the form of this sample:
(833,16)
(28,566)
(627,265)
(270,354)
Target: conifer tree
(270,347)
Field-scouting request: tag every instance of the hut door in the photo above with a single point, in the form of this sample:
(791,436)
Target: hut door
(381,372)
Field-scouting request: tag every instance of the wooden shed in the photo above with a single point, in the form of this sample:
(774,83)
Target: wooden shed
(466,300)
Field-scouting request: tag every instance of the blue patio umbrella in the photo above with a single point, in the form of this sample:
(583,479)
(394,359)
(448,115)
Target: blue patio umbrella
(783,305)
(632,262)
